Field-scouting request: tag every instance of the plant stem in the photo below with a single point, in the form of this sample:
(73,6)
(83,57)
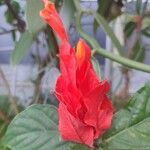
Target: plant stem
(91,40)
(101,21)
(124,61)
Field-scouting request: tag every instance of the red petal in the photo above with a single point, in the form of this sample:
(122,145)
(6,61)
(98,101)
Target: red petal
(105,115)
(68,95)
(72,129)
(68,62)
(50,15)
(87,79)
(92,103)
(87,82)
(98,103)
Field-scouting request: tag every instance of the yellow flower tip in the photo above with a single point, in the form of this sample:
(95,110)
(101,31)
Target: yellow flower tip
(80,52)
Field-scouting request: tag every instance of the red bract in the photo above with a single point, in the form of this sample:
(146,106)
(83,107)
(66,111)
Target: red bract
(52,18)
(85,111)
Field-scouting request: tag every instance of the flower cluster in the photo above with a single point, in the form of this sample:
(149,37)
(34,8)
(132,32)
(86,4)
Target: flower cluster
(85,111)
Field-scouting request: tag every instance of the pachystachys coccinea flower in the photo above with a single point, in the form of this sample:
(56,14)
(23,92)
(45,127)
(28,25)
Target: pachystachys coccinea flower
(85,111)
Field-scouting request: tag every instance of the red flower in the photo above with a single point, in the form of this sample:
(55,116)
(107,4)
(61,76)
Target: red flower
(51,16)
(85,111)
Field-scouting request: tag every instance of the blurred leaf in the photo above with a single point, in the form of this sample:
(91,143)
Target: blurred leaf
(138,6)
(13,33)
(144,8)
(6,113)
(96,66)
(138,52)
(109,9)
(22,47)
(79,147)
(52,42)
(95,26)
(1,2)
(34,21)
(110,33)
(4,103)
(8,14)
(67,13)
(146,22)
(3,128)
(131,126)
(103,5)
(146,31)
(129,28)
(35,129)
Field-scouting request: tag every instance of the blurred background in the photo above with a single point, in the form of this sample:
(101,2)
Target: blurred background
(29,64)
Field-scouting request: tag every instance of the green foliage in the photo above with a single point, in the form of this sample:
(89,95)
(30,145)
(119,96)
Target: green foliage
(4,103)
(5,110)
(6,114)
(79,147)
(34,21)
(8,14)
(129,28)
(52,42)
(97,67)
(1,2)
(67,13)
(138,6)
(138,52)
(146,31)
(109,9)
(22,47)
(35,129)
(131,126)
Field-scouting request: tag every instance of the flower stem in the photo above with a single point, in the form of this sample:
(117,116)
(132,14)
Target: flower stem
(124,61)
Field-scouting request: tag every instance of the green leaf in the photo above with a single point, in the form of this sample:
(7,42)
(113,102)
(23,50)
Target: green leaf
(109,9)
(22,47)
(5,114)
(35,129)
(79,147)
(103,7)
(34,21)
(138,52)
(8,14)
(146,31)
(67,13)
(4,103)
(131,126)
(96,66)
(138,6)
(129,28)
